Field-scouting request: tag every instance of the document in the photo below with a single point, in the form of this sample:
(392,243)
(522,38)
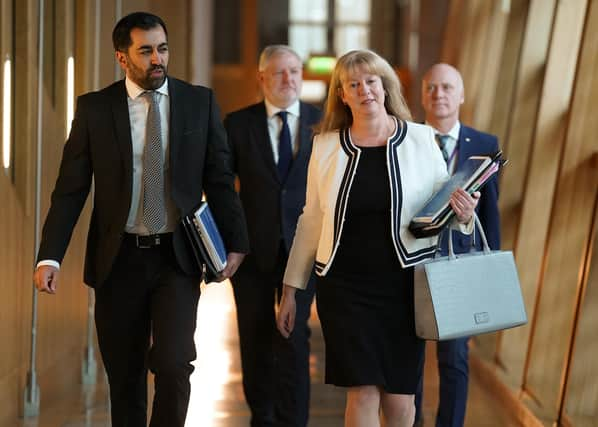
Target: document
(471,176)
(206,241)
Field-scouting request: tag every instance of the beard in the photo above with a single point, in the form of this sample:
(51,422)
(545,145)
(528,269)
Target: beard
(144,78)
(154,82)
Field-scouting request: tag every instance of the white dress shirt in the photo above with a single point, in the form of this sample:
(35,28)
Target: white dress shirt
(451,145)
(275,125)
(138,109)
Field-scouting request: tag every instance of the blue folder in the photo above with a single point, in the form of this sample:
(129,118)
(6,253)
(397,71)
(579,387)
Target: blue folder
(206,241)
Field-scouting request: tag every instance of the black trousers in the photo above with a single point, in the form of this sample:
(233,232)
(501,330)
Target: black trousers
(145,316)
(275,370)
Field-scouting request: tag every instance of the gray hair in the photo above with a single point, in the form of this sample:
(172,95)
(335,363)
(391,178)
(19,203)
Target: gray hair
(273,50)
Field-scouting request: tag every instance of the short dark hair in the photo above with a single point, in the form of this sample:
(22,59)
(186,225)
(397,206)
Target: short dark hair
(121,35)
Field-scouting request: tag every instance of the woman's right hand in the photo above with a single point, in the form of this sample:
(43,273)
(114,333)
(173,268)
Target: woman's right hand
(285,321)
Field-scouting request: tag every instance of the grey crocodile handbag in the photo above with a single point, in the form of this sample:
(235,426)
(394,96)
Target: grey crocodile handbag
(467,294)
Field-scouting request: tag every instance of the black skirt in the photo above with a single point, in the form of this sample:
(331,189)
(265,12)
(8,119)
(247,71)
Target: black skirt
(369,331)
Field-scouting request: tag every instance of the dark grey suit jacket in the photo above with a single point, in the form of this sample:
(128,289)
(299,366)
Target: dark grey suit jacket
(272,208)
(99,147)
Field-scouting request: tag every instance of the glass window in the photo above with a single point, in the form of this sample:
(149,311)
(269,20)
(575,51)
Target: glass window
(350,37)
(308,11)
(352,11)
(330,27)
(308,39)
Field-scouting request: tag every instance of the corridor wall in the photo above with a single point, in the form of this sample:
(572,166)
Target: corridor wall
(80,29)
(549,193)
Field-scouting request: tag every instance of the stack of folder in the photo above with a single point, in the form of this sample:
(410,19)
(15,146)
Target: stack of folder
(471,176)
(206,241)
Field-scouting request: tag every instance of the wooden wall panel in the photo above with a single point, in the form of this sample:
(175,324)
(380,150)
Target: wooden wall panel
(385,34)
(569,229)
(490,64)
(581,400)
(453,32)
(236,85)
(540,190)
(432,21)
(12,311)
(15,246)
(474,38)
(26,46)
(176,16)
(518,148)
(106,56)
(506,78)
(86,49)
(472,29)
(60,333)
(518,142)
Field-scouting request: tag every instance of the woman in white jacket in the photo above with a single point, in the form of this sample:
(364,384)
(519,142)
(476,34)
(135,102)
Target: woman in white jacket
(370,171)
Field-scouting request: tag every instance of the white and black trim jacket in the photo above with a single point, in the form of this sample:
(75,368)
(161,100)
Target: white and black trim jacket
(416,170)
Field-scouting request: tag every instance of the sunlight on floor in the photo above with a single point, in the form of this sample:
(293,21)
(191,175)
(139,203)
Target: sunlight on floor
(212,367)
(216,385)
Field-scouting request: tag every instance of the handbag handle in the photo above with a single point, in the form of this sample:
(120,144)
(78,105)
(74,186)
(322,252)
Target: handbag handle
(485,246)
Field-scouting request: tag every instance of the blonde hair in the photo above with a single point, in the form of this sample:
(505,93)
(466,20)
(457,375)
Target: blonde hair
(338,115)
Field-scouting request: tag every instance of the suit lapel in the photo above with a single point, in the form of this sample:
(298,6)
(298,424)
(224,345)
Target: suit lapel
(177,122)
(260,136)
(465,146)
(122,125)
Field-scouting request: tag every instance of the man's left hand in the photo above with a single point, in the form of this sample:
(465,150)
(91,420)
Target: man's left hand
(233,261)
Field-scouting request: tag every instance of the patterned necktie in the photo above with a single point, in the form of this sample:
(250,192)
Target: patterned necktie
(442,141)
(154,209)
(285,151)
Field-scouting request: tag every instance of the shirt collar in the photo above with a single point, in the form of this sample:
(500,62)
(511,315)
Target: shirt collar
(271,109)
(133,89)
(453,133)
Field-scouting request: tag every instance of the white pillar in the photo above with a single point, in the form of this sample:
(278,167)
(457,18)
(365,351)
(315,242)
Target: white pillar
(200,46)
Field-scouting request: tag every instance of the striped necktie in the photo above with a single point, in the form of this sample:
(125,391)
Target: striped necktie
(442,143)
(154,208)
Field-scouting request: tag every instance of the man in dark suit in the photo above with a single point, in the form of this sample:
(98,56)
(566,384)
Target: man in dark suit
(442,96)
(152,145)
(271,145)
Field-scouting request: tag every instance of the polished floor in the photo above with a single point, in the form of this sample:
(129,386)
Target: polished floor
(217,395)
